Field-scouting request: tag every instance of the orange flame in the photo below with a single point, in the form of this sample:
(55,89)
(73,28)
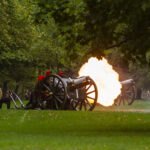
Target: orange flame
(106,79)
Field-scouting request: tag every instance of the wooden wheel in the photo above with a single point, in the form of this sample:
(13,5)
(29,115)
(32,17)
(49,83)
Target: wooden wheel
(87,97)
(127,96)
(53,92)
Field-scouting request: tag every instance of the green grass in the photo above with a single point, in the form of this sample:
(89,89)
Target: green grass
(70,130)
(137,104)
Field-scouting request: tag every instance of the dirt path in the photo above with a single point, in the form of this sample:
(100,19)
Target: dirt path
(128,110)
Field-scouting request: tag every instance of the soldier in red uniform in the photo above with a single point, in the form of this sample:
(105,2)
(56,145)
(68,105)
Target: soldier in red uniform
(34,98)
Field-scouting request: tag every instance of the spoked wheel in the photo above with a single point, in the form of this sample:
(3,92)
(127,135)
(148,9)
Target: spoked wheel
(87,97)
(54,92)
(127,96)
(16,100)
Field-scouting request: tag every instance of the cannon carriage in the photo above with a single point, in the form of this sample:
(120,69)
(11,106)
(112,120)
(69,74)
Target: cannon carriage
(58,93)
(128,93)
(18,104)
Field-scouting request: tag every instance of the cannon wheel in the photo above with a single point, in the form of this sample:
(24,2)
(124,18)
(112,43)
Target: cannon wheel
(55,92)
(127,96)
(90,101)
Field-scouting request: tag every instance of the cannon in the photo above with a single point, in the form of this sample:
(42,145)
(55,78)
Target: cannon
(127,95)
(58,93)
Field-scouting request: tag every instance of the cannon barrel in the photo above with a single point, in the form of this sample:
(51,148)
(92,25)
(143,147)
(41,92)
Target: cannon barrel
(129,81)
(78,81)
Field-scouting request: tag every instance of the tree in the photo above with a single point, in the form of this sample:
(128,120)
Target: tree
(105,24)
(69,23)
(17,35)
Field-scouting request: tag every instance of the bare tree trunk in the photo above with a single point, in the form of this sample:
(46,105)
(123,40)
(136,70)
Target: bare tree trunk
(22,92)
(5,87)
(16,88)
(139,93)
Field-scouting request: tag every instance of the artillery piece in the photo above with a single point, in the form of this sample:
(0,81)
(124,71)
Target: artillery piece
(127,95)
(58,93)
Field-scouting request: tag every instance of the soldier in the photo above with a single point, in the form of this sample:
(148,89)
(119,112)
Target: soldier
(35,96)
(27,94)
(5,100)
(32,101)
(1,94)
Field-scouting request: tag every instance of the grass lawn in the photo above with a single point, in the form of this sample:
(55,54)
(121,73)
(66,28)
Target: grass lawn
(70,130)
(137,105)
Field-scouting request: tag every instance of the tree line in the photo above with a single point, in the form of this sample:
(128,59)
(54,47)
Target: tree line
(40,35)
